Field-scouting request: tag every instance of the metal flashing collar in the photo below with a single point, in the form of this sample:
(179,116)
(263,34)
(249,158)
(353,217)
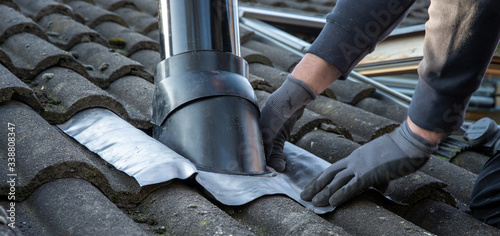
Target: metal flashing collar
(149,161)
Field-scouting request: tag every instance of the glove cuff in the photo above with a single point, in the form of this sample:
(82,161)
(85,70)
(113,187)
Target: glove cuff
(307,90)
(290,97)
(412,141)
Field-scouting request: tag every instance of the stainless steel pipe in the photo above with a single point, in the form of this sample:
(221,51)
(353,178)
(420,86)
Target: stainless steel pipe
(187,26)
(204,108)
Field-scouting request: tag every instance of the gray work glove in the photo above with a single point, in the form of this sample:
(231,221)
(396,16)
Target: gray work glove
(278,116)
(389,157)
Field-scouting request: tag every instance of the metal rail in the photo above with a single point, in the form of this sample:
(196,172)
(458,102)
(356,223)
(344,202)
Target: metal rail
(315,22)
(282,17)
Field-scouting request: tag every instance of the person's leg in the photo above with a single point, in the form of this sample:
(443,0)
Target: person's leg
(461,37)
(485,199)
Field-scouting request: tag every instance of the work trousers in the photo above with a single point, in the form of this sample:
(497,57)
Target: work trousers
(460,39)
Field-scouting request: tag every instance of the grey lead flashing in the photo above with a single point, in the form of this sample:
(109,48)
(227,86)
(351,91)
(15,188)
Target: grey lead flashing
(149,161)
(235,190)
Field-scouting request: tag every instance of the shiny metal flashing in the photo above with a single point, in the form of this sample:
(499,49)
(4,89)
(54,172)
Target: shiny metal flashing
(149,161)
(127,148)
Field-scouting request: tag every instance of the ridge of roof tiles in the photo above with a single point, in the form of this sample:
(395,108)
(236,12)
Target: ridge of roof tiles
(14,22)
(60,57)
(93,15)
(147,6)
(133,41)
(65,32)
(105,66)
(112,5)
(137,20)
(38,9)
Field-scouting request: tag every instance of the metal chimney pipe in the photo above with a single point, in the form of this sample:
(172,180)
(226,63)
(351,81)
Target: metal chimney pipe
(188,26)
(204,108)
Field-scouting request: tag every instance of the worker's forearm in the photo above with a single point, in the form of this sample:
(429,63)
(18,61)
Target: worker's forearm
(316,72)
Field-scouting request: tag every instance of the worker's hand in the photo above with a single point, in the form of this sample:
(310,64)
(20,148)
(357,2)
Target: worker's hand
(376,163)
(276,158)
(278,116)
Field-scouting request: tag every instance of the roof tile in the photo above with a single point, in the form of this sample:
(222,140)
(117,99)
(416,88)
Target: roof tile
(281,58)
(148,58)
(27,54)
(39,9)
(471,161)
(416,187)
(327,145)
(13,22)
(105,66)
(54,206)
(460,181)
(279,215)
(139,21)
(155,35)
(112,5)
(384,109)
(11,88)
(363,125)
(274,76)
(10,3)
(350,92)
(362,217)
(260,85)
(309,121)
(64,92)
(65,32)
(180,210)
(94,15)
(443,219)
(148,6)
(136,94)
(245,35)
(132,40)
(252,56)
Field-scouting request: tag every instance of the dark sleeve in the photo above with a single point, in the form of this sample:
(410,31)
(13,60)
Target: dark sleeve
(485,200)
(354,28)
(461,37)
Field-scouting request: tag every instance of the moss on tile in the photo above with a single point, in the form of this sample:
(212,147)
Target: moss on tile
(141,218)
(45,97)
(161,230)
(204,222)
(260,230)
(117,42)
